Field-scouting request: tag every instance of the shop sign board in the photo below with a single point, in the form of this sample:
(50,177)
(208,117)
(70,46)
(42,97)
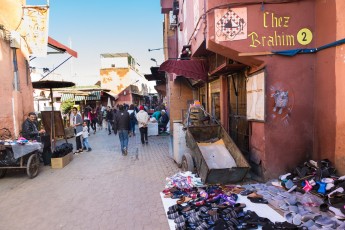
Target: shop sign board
(231,24)
(274,30)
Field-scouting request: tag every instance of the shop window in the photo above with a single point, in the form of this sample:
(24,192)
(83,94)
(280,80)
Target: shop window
(256,96)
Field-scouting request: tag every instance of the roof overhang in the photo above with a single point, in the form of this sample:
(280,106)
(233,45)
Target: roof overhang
(228,69)
(253,63)
(60,48)
(155,75)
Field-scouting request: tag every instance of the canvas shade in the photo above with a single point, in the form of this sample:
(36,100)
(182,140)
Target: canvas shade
(194,69)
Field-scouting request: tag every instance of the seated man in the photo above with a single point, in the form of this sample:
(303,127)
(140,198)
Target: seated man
(30,127)
(163,121)
(30,132)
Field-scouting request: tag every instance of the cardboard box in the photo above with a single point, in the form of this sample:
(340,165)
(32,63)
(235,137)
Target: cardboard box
(59,163)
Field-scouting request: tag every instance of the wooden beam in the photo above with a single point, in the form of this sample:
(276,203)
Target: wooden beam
(255,54)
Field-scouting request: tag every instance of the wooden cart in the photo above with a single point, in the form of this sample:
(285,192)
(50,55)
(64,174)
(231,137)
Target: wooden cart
(30,162)
(27,160)
(198,132)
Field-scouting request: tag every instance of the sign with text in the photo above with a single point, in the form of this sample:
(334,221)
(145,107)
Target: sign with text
(279,33)
(231,24)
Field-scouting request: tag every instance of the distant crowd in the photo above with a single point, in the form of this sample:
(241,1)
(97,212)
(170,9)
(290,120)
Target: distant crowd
(120,119)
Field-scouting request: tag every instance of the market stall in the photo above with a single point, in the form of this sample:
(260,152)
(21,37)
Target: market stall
(20,154)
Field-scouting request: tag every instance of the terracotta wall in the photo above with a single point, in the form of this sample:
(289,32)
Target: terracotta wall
(329,85)
(15,105)
(286,139)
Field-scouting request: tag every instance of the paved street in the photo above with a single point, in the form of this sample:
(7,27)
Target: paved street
(98,190)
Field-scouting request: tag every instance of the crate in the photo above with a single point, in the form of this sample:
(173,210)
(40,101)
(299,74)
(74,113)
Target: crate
(59,163)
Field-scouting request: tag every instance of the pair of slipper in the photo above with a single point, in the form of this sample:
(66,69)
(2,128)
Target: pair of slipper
(256,198)
(338,213)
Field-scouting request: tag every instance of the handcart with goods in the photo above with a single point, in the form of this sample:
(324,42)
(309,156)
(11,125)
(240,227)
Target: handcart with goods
(211,151)
(18,155)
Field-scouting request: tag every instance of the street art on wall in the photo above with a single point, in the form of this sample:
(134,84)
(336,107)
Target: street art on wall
(231,24)
(282,101)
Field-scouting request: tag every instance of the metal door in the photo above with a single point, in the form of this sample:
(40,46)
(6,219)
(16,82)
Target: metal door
(238,124)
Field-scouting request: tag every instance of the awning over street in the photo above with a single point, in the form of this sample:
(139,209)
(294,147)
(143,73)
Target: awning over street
(115,96)
(155,75)
(194,69)
(60,47)
(93,96)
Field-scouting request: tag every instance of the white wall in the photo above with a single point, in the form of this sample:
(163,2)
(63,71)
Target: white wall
(120,62)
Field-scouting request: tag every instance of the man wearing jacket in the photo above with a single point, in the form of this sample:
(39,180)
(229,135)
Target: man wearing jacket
(143,120)
(122,125)
(30,127)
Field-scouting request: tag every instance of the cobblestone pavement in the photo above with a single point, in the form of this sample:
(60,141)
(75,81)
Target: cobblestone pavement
(100,189)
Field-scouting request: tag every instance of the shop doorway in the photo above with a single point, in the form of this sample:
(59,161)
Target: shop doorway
(238,124)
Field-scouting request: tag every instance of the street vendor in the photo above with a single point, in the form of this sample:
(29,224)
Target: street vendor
(30,127)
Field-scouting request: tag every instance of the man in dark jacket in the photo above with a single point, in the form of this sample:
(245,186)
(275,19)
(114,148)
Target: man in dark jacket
(122,125)
(110,118)
(30,127)
(163,120)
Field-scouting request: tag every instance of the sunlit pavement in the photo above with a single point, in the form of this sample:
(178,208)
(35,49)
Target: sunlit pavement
(100,189)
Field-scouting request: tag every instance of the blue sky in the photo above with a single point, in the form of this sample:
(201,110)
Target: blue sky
(103,26)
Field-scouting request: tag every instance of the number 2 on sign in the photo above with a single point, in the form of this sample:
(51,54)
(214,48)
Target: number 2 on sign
(304,36)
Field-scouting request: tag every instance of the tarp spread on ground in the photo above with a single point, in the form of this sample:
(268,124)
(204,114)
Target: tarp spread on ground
(251,206)
(216,155)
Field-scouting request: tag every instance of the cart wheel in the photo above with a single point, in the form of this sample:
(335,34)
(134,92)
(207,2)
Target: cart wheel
(187,162)
(2,172)
(32,166)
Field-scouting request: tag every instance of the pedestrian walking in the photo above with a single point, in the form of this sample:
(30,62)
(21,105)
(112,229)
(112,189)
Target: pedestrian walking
(94,119)
(86,137)
(143,120)
(122,126)
(132,118)
(110,119)
(78,129)
(86,114)
(104,119)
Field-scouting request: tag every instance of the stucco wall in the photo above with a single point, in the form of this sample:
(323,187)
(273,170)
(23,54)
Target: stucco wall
(340,90)
(11,13)
(330,83)
(286,139)
(15,105)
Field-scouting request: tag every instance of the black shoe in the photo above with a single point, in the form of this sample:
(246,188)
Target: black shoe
(109,133)
(146,142)
(84,148)
(89,149)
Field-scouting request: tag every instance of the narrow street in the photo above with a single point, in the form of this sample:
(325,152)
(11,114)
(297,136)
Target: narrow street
(100,189)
